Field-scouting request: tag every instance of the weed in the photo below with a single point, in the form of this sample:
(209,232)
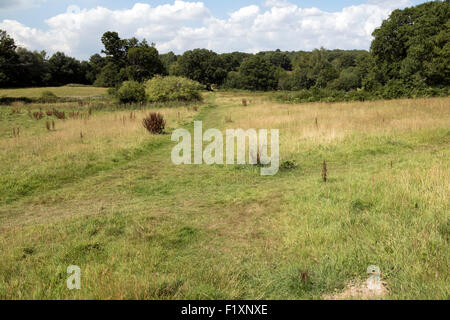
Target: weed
(154,123)
(38,115)
(59,114)
(289,164)
(324,172)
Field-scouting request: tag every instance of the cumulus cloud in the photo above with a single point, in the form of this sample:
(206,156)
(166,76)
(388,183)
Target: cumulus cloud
(183,25)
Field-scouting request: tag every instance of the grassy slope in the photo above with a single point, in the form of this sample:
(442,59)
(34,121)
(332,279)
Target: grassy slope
(140,227)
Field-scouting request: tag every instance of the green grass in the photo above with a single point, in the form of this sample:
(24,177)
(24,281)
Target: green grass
(142,228)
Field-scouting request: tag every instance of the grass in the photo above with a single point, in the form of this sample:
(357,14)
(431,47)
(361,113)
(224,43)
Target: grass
(64,91)
(142,228)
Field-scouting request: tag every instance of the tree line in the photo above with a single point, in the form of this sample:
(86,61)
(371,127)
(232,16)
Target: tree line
(411,49)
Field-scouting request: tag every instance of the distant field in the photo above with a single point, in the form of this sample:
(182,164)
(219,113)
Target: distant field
(140,227)
(66,91)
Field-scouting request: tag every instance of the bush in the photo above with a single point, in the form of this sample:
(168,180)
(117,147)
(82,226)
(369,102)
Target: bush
(131,91)
(163,89)
(154,123)
(48,97)
(395,89)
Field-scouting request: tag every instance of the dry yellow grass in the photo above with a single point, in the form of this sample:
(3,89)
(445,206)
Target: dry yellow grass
(326,123)
(102,133)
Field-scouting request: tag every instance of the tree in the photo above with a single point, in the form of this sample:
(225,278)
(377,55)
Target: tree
(109,76)
(131,59)
(412,44)
(8,59)
(232,61)
(278,59)
(115,48)
(96,64)
(32,68)
(65,69)
(168,59)
(201,65)
(368,72)
(257,73)
(348,80)
(143,63)
(321,71)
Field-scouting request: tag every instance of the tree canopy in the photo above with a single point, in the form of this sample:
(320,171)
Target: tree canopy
(410,51)
(413,45)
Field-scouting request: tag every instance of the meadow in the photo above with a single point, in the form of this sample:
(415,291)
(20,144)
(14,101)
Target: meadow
(75,91)
(100,192)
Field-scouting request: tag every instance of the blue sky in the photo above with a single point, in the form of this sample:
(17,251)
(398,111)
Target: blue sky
(244,25)
(34,14)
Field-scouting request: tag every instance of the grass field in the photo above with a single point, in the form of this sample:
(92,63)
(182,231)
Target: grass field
(65,91)
(140,227)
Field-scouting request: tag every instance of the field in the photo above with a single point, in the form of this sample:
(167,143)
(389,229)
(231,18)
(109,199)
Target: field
(65,91)
(102,193)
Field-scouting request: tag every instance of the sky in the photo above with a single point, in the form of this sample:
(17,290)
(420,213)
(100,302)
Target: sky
(76,26)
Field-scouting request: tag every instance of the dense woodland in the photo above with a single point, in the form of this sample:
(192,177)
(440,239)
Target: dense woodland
(409,56)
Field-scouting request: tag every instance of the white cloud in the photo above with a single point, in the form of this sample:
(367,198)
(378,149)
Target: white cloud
(182,25)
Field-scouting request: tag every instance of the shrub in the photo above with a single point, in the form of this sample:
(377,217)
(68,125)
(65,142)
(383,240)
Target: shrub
(48,97)
(131,91)
(163,89)
(154,123)
(112,92)
(395,89)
